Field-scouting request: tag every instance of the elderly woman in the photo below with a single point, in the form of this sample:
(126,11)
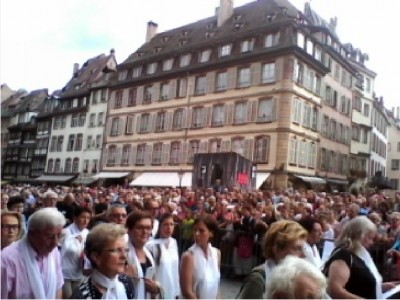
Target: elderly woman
(350,269)
(283,238)
(11,227)
(106,249)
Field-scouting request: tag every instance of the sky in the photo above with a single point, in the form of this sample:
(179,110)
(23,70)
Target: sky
(40,40)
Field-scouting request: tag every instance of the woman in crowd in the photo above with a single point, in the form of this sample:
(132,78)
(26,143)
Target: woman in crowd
(106,249)
(350,269)
(165,253)
(11,227)
(139,226)
(199,272)
(283,238)
(72,250)
(4,200)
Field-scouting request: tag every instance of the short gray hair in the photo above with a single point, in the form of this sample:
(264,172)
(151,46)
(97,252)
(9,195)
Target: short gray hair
(354,232)
(112,206)
(46,217)
(283,277)
(49,194)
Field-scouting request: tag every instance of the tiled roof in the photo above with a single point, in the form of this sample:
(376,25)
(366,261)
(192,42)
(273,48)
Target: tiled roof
(32,101)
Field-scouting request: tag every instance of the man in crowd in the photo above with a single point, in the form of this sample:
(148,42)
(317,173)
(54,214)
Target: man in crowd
(314,231)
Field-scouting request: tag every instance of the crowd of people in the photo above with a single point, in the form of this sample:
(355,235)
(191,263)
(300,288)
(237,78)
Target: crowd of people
(121,242)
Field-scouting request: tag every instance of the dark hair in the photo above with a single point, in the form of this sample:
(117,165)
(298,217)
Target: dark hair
(163,217)
(308,223)
(15,200)
(209,221)
(80,210)
(135,217)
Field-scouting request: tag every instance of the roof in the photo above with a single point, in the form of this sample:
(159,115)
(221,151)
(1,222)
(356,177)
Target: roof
(316,20)
(32,101)
(245,19)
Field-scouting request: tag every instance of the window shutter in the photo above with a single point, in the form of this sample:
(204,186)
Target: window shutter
(185,153)
(232,74)
(148,154)
(226,146)
(188,122)
(165,153)
(152,123)
(118,156)
(228,114)
(203,147)
(112,100)
(256,73)
(121,125)
(125,93)
(184,117)
(274,109)
(172,89)
(104,158)
(132,157)
(278,70)
(155,92)
(108,126)
(250,105)
(168,120)
(138,120)
(248,149)
(210,82)
(208,118)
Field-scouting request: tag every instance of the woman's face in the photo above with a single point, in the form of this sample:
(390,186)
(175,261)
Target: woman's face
(293,248)
(82,220)
(9,230)
(140,232)
(4,200)
(201,234)
(368,239)
(111,260)
(167,228)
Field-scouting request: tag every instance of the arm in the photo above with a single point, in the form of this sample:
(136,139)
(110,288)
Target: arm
(338,275)
(59,294)
(186,276)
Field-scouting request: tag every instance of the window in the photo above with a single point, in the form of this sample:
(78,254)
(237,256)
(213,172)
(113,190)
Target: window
(222,81)
(147,94)
(194,147)
(200,85)
(56,123)
(298,73)
(175,152)
(53,144)
(266,110)
(218,115)
(398,147)
(157,151)
(103,95)
(293,151)
(268,73)
(300,40)
(238,146)
(240,116)
(368,84)
(118,99)
(136,72)
(151,68)
(78,144)
(215,146)
(318,53)
(247,45)
(50,166)
(74,120)
(114,126)
(160,122)
(312,150)
(57,166)
(395,164)
(164,91)
(75,165)
(302,158)
(85,168)
(144,123)
(82,120)
(365,135)
(94,165)
(243,77)
(185,60)
(225,50)
(129,124)
(271,39)
(167,64)
(112,156)
(89,142)
(366,110)
(261,145)
(71,142)
(141,149)
(310,47)
(307,115)
(98,141)
(95,96)
(92,118)
(122,75)
(132,96)
(181,87)
(60,141)
(126,150)
(198,117)
(68,166)
(177,122)
(204,56)
(100,117)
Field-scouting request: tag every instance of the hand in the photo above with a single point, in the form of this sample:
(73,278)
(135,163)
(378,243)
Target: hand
(151,286)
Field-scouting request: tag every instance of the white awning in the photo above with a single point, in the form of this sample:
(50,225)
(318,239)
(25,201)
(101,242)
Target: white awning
(310,179)
(260,178)
(54,178)
(163,179)
(110,175)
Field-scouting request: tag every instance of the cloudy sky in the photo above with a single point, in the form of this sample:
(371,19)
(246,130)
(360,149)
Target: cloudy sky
(40,40)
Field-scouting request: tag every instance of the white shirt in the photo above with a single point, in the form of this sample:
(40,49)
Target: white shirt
(312,255)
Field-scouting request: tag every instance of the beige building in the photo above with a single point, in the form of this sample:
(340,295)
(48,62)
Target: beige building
(393,158)
(249,80)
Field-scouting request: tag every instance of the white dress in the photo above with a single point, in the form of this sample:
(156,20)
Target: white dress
(206,275)
(167,269)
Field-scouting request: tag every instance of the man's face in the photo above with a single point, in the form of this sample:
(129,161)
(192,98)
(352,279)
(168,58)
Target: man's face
(154,208)
(316,234)
(44,241)
(50,201)
(118,215)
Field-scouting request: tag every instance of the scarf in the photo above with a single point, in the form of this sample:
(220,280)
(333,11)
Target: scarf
(366,257)
(134,260)
(115,288)
(40,290)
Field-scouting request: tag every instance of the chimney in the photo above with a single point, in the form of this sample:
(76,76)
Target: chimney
(225,11)
(151,30)
(75,69)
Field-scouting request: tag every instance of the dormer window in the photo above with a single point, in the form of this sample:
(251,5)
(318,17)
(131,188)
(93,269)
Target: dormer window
(204,56)
(209,34)
(137,72)
(247,45)
(183,43)
(139,54)
(237,18)
(165,39)
(184,32)
(157,49)
(185,60)
(151,68)
(167,64)
(225,50)
(271,39)
(122,75)
(210,25)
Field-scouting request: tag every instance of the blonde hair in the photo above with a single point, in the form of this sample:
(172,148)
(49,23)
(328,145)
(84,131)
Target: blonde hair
(281,234)
(17,215)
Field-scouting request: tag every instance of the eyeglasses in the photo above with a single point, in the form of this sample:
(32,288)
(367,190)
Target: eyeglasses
(117,250)
(53,236)
(143,228)
(10,226)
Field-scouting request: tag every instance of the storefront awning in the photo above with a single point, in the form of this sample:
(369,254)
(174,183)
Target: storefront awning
(337,181)
(84,181)
(110,175)
(260,178)
(54,178)
(163,179)
(314,180)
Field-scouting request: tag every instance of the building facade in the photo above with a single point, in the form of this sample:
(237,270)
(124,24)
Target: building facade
(393,153)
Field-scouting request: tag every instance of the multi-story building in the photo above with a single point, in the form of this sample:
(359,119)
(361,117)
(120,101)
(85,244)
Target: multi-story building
(22,140)
(393,151)
(249,80)
(79,115)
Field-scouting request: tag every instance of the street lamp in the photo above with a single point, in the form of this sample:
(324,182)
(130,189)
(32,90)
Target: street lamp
(180,176)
